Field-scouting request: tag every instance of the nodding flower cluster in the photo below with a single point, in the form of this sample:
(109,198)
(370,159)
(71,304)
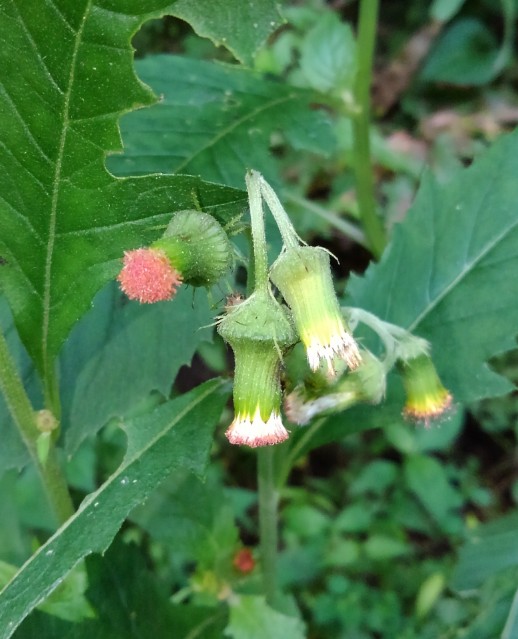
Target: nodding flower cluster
(261,330)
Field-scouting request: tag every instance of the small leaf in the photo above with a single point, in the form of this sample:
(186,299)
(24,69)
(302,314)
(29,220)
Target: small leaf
(427,479)
(466,54)
(229,131)
(241,27)
(176,435)
(252,618)
(328,55)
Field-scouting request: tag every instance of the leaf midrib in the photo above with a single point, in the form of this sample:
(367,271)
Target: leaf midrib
(55,197)
(231,127)
(466,271)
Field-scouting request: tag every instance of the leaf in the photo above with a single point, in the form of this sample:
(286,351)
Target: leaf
(66,72)
(450,273)
(176,435)
(229,131)
(428,481)
(252,618)
(241,27)
(466,54)
(444,10)
(490,548)
(119,352)
(328,55)
(195,519)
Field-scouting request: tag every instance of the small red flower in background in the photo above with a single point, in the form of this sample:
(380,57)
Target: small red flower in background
(244,561)
(148,276)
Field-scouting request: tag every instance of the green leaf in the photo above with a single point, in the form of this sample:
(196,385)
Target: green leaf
(119,352)
(241,27)
(428,481)
(466,54)
(177,435)
(195,519)
(450,273)
(229,130)
(67,74)
(444,10)
(491,548)
(252,618)
(328,55)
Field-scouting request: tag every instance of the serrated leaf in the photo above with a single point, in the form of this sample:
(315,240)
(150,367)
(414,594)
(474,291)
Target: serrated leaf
(66,73)
(176,435)
(251,617)
(216,121)
(241,27)
(450,273)
(119,352)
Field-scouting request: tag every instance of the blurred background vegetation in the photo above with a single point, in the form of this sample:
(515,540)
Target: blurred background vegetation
(391,533)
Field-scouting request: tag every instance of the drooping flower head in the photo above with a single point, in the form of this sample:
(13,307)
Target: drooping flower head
(303,276)
(258,330)
(148,276)
(316,397)
(427,398)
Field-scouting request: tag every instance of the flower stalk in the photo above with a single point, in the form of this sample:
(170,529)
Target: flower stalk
(24,417)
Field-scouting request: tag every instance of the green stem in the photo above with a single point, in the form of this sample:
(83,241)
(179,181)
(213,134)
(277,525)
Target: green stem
(258,233)
(268,503)
(372,224)
(23,415)
(288,233)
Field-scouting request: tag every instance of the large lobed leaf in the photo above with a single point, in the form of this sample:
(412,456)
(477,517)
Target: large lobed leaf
(216,121)
(66,74)
(242,27)
(450,273)
(177,435)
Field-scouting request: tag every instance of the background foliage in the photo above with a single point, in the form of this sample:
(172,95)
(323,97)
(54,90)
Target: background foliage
(382,533)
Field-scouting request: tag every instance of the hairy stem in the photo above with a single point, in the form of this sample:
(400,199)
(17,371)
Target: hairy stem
(258,233)
(268,503)
(372,224)
(24,417)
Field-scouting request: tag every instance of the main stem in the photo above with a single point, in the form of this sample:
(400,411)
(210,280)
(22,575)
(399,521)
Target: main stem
(372,224)
(22,413)
(268,503)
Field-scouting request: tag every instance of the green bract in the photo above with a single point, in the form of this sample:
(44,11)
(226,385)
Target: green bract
(197,246)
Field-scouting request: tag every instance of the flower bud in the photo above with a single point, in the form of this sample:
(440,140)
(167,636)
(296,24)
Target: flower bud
(148,276)
(258,330)
(427,399)
(303,276)
(367,383)
(197,246)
